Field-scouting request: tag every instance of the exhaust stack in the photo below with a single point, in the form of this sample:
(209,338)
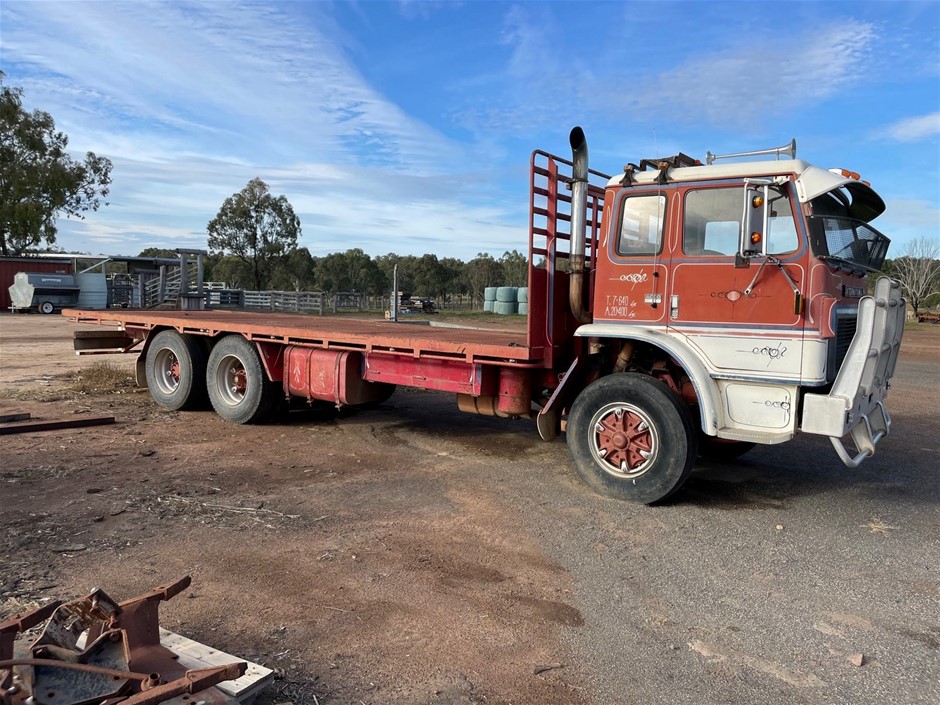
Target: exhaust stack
(579,184)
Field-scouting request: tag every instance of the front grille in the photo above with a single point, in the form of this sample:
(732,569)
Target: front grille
(845,324)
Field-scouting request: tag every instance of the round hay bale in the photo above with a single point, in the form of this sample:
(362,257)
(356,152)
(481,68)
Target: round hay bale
(488,306)
(522,296)
(505,308)
(506,294)
(523,308)
(489,293)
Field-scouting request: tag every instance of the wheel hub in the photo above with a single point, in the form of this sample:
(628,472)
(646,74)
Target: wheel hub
(623,440)
(238,382)
(167,371)
(232,380)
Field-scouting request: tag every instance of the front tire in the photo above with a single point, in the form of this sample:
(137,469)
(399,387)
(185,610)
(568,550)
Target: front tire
(239,389)
(176,371)
(46,307)
(631,438)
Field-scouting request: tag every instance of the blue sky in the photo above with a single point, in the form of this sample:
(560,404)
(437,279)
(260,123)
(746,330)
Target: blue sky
(407,126)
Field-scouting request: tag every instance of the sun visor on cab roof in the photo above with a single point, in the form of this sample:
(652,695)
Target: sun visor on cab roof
(864,203)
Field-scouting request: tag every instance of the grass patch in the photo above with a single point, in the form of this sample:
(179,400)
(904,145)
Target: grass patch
(97,379)
(914,325)
(101,378)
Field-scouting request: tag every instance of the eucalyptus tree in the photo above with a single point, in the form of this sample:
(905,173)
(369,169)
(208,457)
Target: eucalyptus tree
(256,227)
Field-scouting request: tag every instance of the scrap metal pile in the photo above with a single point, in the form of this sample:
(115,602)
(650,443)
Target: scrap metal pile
(95,651)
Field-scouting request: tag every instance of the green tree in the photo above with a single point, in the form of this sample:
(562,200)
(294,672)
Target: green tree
(407,265)
(482,271)
(160,252)
(235,272)
(352,270)
(256,227)
(515,268)
(430,277)
(295,271)
(454,276)
(39,180)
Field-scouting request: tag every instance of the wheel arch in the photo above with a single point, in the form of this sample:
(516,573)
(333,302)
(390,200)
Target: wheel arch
(710,408)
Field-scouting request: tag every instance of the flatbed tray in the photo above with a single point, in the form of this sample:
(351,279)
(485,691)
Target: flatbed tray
(473,345)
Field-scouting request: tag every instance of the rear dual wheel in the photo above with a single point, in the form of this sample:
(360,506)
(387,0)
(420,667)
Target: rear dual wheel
(631,437)
(238,386)
(176,371)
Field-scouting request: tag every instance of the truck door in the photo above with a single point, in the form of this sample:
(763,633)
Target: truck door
(633,288)
(747,319)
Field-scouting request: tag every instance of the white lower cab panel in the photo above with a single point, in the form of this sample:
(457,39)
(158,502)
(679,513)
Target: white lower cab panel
(763,413)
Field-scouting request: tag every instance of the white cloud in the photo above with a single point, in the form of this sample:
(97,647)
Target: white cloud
(770,72)
(743,84)
(914,129)
(253,80)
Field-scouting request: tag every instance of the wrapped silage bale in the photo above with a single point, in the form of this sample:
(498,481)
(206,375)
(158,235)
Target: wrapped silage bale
(506,294)
(505,308)
(522,296)
(523,309)
(489,293)
(488,306)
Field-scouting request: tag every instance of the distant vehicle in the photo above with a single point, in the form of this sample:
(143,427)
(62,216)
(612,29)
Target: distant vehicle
(43,292)
(416,305)
(675,310)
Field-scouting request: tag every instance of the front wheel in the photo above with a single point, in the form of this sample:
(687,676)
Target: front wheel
(239,389)
(46,307)
(631,437)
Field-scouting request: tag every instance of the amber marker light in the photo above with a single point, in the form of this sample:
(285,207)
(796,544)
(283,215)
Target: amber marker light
(755,238)
(758,201)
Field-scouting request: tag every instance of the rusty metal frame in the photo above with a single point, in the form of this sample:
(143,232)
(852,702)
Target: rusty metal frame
(94,650)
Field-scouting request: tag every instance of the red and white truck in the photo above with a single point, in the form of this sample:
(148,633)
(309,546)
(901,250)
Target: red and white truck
(675,310)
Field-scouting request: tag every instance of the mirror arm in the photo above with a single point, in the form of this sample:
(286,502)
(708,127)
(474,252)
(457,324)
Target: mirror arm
(750,287)
(797,296)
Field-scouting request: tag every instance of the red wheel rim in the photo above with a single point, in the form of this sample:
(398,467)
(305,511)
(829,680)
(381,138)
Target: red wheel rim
(624,440)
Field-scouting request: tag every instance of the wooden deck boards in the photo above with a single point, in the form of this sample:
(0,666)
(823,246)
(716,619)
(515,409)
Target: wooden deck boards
(193,655)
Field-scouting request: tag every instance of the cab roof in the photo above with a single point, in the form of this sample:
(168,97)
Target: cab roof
(811,181)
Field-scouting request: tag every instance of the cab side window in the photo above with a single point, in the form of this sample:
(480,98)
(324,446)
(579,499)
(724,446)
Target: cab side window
(712,223)
(641,225)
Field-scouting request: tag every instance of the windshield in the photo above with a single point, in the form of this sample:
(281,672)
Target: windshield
(837,236)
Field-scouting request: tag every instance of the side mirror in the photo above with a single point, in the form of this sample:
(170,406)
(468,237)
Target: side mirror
(754,219)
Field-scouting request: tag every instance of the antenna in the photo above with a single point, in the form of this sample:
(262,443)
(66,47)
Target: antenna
(788,149)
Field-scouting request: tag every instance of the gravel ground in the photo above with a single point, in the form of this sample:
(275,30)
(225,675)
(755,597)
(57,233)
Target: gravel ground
(412,554)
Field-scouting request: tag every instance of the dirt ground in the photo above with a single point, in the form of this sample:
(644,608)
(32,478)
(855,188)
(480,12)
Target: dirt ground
(411,554)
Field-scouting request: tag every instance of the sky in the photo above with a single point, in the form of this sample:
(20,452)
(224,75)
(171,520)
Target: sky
(407,126)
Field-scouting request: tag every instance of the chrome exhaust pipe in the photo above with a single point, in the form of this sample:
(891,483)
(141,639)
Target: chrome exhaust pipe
(579,184)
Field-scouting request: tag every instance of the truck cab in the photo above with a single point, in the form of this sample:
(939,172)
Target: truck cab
(750,290)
